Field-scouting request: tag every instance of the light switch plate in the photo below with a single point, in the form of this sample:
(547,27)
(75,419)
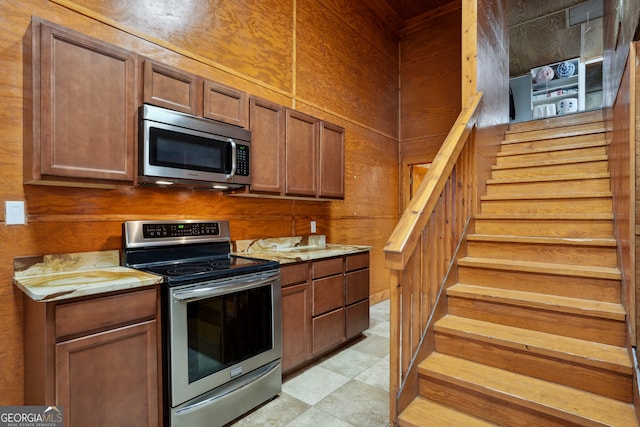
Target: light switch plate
(313,226)
(14,213)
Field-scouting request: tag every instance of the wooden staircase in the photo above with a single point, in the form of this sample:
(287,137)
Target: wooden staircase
(534,332)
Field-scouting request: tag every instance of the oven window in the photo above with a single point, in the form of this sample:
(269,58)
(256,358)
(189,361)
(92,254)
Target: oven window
(228,329)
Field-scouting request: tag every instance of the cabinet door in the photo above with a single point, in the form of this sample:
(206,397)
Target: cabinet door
(356,286)
(301,158)
(328,330)
(84,118)
(109,378)
(328,294)
(331,161)
(267,123)
(296,325)
(357,318)
(168,87)
(225,104)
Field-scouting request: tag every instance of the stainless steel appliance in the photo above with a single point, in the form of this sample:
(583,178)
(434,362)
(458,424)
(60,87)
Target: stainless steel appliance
(182,150)
(221,319)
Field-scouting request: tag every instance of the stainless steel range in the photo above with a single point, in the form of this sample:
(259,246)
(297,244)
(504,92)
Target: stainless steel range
(221,319)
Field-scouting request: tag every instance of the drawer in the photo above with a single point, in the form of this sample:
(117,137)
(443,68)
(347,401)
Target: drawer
(357,262)
(328,330)
(104,312)
(357,286)
(292,274)
(328,294)
(327,267)
(357,318)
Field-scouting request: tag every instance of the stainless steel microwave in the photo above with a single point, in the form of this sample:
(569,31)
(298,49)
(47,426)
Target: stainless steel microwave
(182,150)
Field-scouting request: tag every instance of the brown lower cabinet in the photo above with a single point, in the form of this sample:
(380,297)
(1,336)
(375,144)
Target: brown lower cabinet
(98,358)
(325,303)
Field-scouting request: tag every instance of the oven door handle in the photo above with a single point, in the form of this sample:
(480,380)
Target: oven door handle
(220,289)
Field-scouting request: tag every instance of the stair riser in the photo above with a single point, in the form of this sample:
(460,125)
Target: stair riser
(574,287)
(562,254)
(599,166)
(554,143)
(582,376)
(567,131)
(477,403)
(549,123)
(549,187)
(601,229)
(551,155)
(601,330)
(547,206)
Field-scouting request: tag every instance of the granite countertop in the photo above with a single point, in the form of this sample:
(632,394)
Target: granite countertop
(56,277)
(294,249)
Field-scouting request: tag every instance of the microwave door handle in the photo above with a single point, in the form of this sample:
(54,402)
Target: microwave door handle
(234,158)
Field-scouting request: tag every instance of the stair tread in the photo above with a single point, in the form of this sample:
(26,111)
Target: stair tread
(600,142)
(589,353)
(556,216)
(540,196)
(543,267)
(424,412)
(567,177)
(550,162)
(565,402)
(548,302)
(540,134)
(543,240)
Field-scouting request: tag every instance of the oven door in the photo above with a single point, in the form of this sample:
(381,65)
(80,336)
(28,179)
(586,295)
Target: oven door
(222,330)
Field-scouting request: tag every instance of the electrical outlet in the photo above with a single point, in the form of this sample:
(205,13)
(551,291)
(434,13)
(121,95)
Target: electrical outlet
(14,213)
(313,226)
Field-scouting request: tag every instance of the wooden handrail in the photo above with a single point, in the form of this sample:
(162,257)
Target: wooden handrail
(422,250)
(406,234)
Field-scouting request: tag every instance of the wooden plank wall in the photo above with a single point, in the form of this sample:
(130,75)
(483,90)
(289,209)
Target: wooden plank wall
(491,78)
(430,75)
(621,166)
(331,58)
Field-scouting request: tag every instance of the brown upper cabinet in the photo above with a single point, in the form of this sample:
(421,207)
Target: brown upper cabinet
(225,104)
(178,90)
(83,110)
(300,155)
(171,88)
(266,122)
(331,162)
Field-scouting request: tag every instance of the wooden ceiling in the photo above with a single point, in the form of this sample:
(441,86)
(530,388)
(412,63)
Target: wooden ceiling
(398,14)
(538,30)
(407,9)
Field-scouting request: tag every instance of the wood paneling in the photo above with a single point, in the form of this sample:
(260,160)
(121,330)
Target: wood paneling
(490,71)
(248,46)
(430,74)
(622,161)
(233,34)
(336,66)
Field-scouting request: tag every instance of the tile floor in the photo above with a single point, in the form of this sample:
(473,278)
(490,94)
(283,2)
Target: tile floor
(349,388)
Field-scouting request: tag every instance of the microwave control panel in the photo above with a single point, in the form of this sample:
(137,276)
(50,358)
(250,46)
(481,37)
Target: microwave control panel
(242,160)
